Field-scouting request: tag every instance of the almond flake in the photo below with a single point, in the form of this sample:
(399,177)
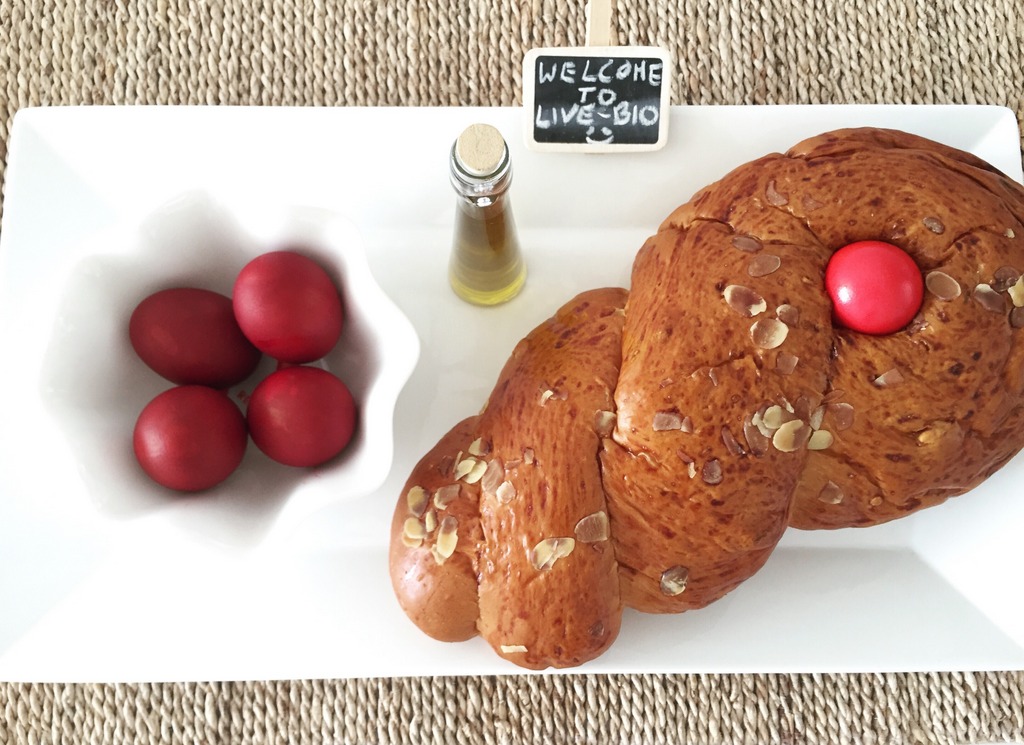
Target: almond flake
(830,493)
(774,197)
(768,333)
(447,537)
(528,457)
(417,498)
(775,416)
(934,433)
(820,440)
(1017,293)
(691,469)
(492,477)
(989,299)
(673,580)
(788,314)
(470,470)
(479,448)
(553,394)
(477,473)
(711,473)
(875,501)
(917,325)
(730,442)
(934,224)
(756,440)
(833,396)
(811,204)
(411,542)
(1009,233)
(764,429)
(744,301)
(747,243)
(763,264)
(430,521)
(592,528)
(505,492)
(889,378)
(445,496)
(513,649)
(665,421)
(648,460)
(791,436)
(413,529)
(604,423)
(802,408)
(1004,278)
(816,418)
(550,550)
(464,467)
(942,286)
(786,363)
(842,415)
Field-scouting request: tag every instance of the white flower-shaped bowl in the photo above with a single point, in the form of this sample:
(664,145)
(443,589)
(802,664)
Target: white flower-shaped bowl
(94,384)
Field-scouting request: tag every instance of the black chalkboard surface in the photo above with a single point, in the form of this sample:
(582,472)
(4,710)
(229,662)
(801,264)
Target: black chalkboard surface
(596,99)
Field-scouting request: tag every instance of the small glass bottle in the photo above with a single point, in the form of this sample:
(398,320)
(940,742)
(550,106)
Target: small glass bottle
(486,266)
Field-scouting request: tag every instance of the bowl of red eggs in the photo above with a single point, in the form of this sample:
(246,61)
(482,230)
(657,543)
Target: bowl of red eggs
(233,367)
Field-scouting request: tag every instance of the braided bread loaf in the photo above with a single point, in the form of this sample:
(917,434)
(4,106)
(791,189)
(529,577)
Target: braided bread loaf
(648,449)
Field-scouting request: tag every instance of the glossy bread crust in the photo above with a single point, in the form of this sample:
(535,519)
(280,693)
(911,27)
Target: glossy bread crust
(649,449)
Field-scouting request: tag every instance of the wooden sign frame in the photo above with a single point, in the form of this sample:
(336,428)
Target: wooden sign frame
(596,99)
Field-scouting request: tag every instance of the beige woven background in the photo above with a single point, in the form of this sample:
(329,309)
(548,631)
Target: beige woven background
(421,52)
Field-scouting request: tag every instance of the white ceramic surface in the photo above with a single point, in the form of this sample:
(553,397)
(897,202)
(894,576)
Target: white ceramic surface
(89,592)
(94,385)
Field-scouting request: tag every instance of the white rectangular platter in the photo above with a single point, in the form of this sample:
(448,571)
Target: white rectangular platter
(94,596)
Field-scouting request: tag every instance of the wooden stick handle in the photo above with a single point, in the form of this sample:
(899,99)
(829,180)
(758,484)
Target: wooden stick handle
(599,23)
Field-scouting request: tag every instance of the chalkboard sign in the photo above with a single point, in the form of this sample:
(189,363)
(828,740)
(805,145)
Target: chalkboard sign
(596,99)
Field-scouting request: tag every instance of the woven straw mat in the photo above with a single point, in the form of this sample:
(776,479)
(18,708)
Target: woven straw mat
(318,52)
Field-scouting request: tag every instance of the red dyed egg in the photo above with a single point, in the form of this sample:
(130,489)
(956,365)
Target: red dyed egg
(189,336)
(288,306)
(875,287)
(190,438)
(301,416)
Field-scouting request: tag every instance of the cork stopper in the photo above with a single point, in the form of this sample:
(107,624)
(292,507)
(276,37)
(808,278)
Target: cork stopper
(479,150)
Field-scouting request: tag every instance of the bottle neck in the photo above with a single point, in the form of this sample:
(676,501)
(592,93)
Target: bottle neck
(481,190)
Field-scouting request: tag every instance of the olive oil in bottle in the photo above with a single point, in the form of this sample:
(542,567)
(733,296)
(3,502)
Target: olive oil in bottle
(486,266)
